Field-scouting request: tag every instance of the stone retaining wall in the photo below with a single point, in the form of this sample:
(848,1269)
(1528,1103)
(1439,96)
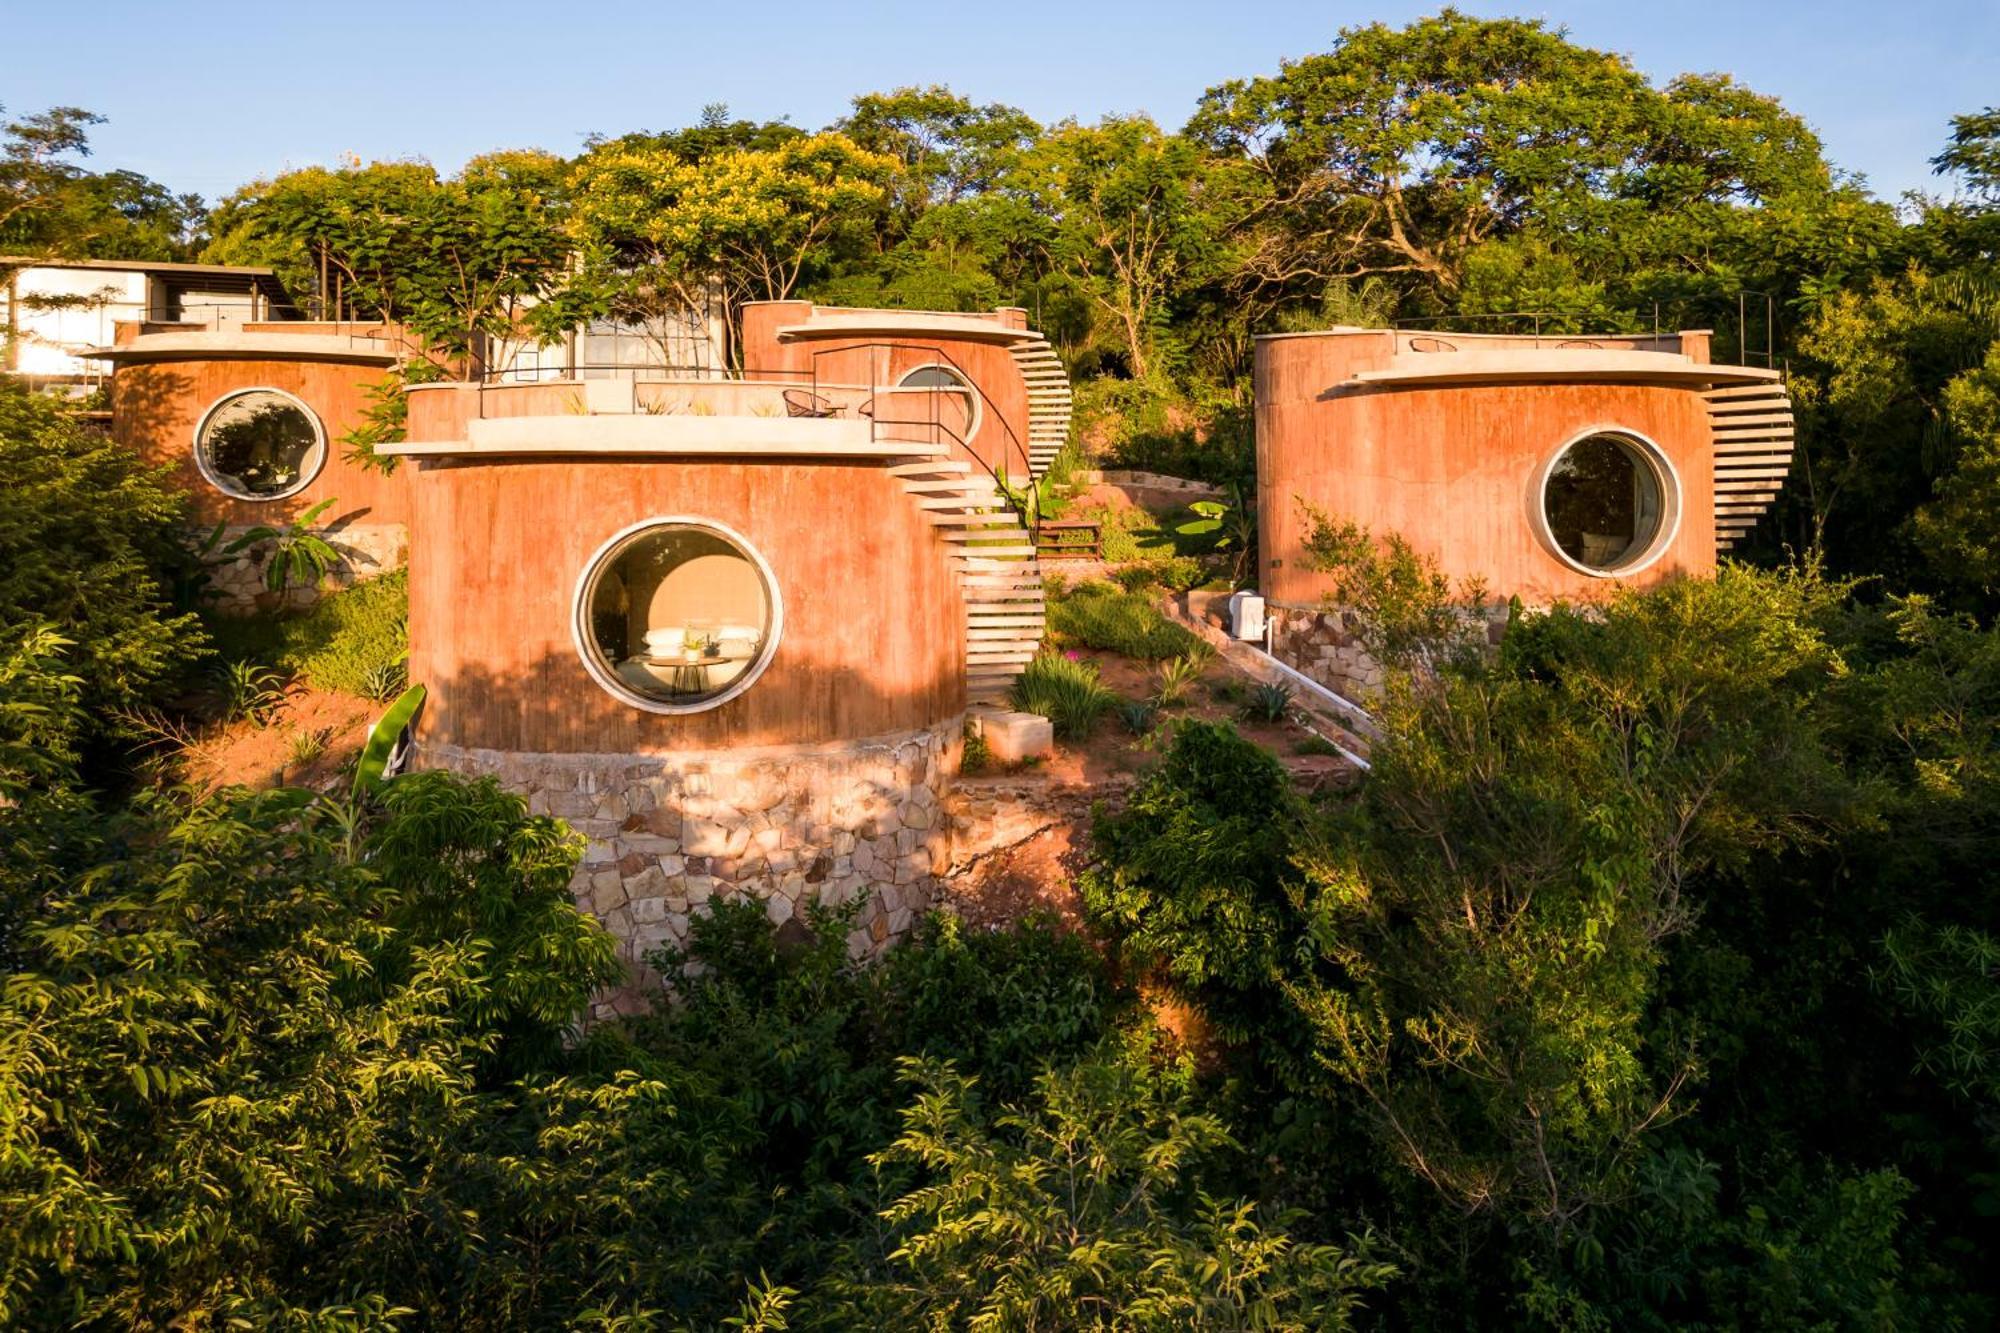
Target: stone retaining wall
(989,815)
(365,551)
(862,822)
(1322,644)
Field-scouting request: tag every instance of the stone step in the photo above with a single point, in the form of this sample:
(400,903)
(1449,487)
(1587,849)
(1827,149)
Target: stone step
(920,469)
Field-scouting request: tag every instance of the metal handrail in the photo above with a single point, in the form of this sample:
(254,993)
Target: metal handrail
(1029,519)
(1718,306)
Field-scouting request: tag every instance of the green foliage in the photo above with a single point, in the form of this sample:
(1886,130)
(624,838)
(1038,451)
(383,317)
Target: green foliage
(1139,715)
(1096,615)
(387,415)
(354,641)
(1192,874)
(249,692)
(51,205)
(307,745)
(1231,527)
(452,259)
(371,769)
(1177,676)
(1269,702)
(1407,614)
(978,757)
(89,544)
(292,551)
(653,225)
(250,1075)
(1064,690)
(1082,1209)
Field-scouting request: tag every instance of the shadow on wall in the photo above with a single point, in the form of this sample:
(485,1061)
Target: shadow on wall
(860,823)
(150,406)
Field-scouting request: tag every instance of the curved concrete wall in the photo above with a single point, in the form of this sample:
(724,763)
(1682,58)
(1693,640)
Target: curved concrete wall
(156,405)
(1453,468)
(873,640)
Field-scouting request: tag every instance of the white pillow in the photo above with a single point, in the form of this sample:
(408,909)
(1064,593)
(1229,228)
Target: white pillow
(666,639)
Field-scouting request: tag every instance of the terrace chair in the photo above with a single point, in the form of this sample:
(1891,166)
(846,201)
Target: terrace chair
(802,403)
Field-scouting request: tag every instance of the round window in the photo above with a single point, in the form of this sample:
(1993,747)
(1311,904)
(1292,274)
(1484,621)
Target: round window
(948,400)
(1608,503)
(259,444)
(675,615)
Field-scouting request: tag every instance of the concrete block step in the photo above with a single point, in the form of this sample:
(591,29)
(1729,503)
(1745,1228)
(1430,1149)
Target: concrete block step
(924,469)
(1768,389)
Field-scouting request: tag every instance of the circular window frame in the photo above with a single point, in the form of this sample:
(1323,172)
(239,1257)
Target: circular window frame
(1665,474)
(307,476)
(976,415)
(608,680)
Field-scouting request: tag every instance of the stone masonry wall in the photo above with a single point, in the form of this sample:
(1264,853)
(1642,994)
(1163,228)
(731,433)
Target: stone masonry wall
(1322,644)
(365,551)
(667,833)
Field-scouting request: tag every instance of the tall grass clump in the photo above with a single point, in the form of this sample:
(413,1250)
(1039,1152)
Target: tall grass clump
(1066,692)
(1097,615)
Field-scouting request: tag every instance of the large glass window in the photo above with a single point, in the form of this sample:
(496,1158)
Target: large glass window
(946,399)
(259,444)
(1605,501)
(677,615)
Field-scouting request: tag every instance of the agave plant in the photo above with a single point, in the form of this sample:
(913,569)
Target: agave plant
(1269,702)
(297,552)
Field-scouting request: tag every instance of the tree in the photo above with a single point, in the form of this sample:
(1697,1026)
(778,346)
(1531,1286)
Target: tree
(950,149)
(655,231)
(454,260)
(1409,151)
(90,541)
(1081,1209)
(1124,219)
(51,205)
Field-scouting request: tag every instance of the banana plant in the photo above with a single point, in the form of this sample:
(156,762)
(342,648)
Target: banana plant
(388,742)
(1030,501)
(297,552)
(1233,526)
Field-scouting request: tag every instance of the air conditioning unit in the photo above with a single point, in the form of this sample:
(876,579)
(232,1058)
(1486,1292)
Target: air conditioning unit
(1246,615)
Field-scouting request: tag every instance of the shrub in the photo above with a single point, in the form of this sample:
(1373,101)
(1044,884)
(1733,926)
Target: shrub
(978,754)
(1193,874)
(1136,578)
(1066,692)
(90,543)
(249,692)
(1096,615)
(1138,715)
(1036,1213)
(258,1040)
(355,641)
(1177,676)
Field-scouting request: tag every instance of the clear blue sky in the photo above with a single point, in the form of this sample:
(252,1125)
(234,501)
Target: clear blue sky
(205,94)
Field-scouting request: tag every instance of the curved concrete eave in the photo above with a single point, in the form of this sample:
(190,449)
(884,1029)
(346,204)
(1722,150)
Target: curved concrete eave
(249,346)
(915,324)
(749,437)
(1555,365)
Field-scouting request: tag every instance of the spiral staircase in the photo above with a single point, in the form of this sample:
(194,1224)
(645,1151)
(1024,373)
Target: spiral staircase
(1752,427)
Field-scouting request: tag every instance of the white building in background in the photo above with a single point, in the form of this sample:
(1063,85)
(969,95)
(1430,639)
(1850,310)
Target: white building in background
(53,310)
